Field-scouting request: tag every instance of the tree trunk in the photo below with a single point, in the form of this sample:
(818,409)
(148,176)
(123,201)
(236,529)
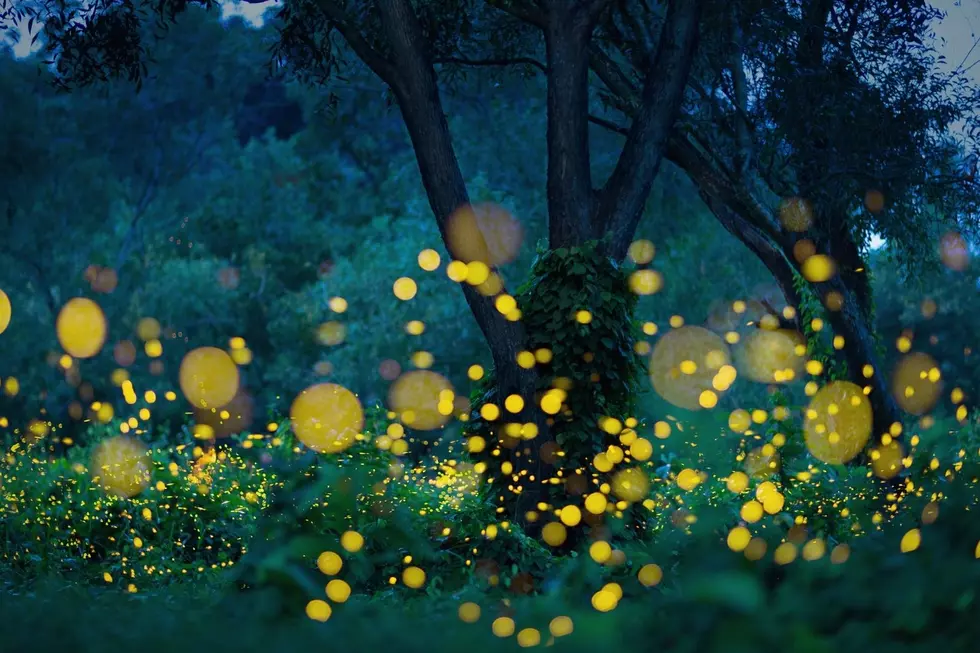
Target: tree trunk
(759,244)
(569,185)
(417,92)
(852,323)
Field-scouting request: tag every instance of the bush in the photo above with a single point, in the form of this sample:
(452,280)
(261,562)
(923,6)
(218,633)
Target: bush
(194,517)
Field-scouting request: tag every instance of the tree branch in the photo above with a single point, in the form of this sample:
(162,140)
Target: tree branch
(608,124)
(374,59)
(463,61)
(759,243)
(622,198)
(612,76)
(594,8)
(743,143)
(521,10)
(569,186)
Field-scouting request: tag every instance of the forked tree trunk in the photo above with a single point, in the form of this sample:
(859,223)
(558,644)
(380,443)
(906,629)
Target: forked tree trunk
(576,212)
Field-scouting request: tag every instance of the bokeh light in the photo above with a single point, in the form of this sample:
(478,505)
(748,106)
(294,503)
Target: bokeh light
(423,399)
(484,232)
(327,418)
(5,311)
(838,422)
(771,356)
(684,363)
(917,383)
(121,465)
(81,328)
(209,377)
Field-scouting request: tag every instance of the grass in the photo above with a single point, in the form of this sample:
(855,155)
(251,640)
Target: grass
(166,568)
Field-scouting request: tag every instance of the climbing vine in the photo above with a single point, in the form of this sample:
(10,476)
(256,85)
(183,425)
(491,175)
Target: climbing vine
(819,340)
(577,308)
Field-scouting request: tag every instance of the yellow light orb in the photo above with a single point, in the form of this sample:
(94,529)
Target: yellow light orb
(318,610)
(911,541)
(571,515)
(650,575)
(596,503)
(917,383)
(600,551)
(429,260)
(327,418)
(338,591)
(528,638)
(641,449)
(352,541)
(641,252)
(336,304)
(81,328)
(502,627)
(886,460)
(631,484)
(329,563)
(688,344)
(737,482)
(738,538)
(562,626)
(646,282)
(469,613)
(796,214)
(5,311)
(148,329)
(208,377)
(554,534)
(818,268)
(688,479)
(413,577)
(484,232)
(604,601)
(419,392)
(405,288)
(121,465)
(838,422)
(764,356)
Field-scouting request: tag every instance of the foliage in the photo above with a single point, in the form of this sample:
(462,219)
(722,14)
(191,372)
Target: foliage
(195,516)
(712,599)
(819,339)
(936,310)
(591,358)
(563,282)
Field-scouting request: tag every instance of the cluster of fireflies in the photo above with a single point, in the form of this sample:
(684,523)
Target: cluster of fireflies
(691,367)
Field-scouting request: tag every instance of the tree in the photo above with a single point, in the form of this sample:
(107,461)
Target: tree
(821,123)
(403,42)
(760,136)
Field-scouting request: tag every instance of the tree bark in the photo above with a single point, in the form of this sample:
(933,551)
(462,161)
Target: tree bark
(622,198)
(859,350)
(416,89)
(569,187)
(759,244)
